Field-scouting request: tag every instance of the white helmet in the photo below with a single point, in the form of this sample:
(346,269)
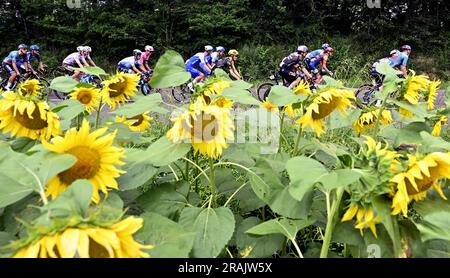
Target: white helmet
(80,48)
(88,49)
(149,48)
(302,48)
(209,48)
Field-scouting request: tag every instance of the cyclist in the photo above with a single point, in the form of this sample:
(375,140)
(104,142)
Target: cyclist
(15,64)
(401,62)
(229,64)
(216,56)
(319,58)
(292,67)
(131,64)
(73,61)
(378,78)
(145,57)
(34,54)
(87,56)
(198,66)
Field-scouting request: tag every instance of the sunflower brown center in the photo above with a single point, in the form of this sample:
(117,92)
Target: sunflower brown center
(325,109)
(139,119)
(96,250)
(36,123)
(116,89)
(423,184)
(204,128)
(88,164)
(84,97)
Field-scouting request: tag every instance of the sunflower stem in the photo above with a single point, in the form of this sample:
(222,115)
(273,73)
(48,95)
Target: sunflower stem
(377,121)
(212,178)
(330,222)
(297,141)
(97,117)
(281,126)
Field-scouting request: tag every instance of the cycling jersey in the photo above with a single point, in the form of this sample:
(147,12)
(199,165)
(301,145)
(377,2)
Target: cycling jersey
(290,61)
(145,58)
(15,57)
(31,56)
(402,60)
(314,59)
(72,59)
(314,54)
(213,58)
(198,60)
(128,63)
(389,60)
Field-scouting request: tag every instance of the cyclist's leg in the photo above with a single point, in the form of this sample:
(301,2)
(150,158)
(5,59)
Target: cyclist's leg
(11,73)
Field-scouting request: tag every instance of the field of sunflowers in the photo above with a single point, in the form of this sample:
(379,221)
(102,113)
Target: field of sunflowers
(112,173)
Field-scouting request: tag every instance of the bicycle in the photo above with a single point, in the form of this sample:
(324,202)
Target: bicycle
(181,93)
(20,79)
(143,85)
(84,78)
(263,90)
(366,95)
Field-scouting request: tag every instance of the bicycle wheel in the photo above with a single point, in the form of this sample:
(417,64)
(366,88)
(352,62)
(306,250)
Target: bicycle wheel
(365,94)
(263,91)
(145,89)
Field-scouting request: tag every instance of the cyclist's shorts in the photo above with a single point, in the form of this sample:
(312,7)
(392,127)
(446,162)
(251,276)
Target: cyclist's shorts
(8,68)
(194,72)
(378,77)
(312,68)
(68,67)
(288,75)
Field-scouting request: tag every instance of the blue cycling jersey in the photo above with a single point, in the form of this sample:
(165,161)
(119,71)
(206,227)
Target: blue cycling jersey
(314,54)
(14,57)
(214,58)
(31,56)
(402,60)
(129,63)
(198,59)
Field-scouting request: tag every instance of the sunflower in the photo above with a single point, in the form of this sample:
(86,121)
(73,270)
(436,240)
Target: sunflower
(216,87)
(219,101)
(367,120)
(30,87)
(89,97)
(27,118)
(303,88)
(438,127)
(291,111)
(433,92)
(323,105)
(406,114)
(207,127)
(365,218)
(97,160)
(138,123)
(421,176)
(270,107)
(119,89)
(85,241)
(414,85)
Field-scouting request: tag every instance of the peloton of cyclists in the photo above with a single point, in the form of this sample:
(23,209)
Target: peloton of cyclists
(15,64)
(292,68)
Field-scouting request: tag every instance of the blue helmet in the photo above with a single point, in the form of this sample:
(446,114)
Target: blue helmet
(220,49)
(22,46)
(34,47)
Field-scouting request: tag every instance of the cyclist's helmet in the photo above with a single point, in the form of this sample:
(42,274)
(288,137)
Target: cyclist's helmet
(406,47)
(394,52)
(325,46)
(34,47)
(137,52)
(302,48)
(220,49)
(88,49)
(209,48)
(22,46)
(233,52)
(80,48)
(329,50)
(149,48)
